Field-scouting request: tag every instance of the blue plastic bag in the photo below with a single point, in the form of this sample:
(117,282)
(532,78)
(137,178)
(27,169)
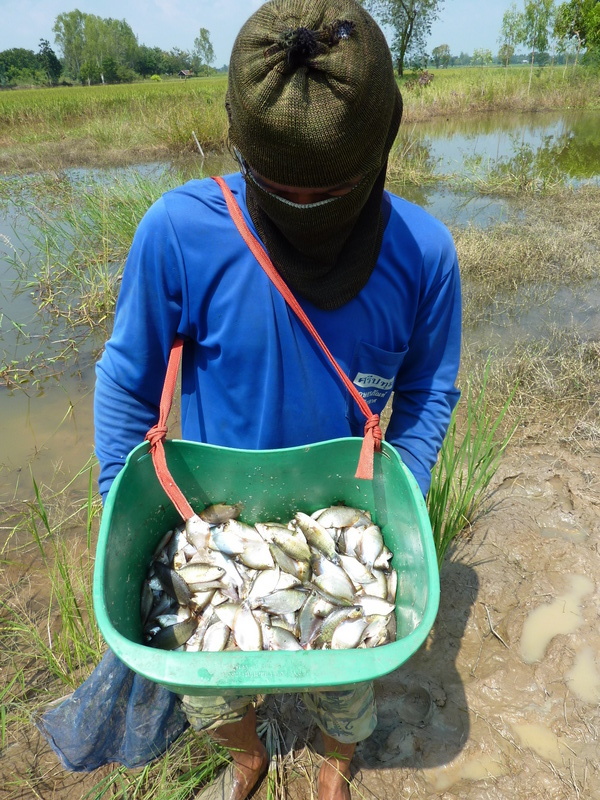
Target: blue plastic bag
(114,716)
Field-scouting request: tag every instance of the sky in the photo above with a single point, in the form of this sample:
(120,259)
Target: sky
(463,24)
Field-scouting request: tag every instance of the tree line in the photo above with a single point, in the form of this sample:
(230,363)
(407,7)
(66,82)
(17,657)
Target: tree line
(569,27)
(97,50)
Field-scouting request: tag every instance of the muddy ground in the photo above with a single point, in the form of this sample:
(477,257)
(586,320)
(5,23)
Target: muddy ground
(503,700)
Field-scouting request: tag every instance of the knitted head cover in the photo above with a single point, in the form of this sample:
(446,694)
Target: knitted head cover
(313,102)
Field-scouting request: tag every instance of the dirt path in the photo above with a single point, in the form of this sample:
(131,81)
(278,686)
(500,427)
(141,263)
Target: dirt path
(503,701)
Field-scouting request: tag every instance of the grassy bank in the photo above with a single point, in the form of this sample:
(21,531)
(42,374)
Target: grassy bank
(118,124)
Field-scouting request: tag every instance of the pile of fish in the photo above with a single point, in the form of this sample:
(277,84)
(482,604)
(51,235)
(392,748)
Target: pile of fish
(318,582)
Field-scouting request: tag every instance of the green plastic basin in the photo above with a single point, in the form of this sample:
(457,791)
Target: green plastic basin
(271,484)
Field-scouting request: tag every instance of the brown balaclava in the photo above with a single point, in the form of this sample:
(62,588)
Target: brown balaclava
(313,102)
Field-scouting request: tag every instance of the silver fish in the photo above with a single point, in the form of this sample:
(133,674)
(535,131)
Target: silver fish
(216,637)
(374,605)
(316,535)
(333,620)
(370,545)
(332,579)
(335,590)
(265,582)
(282,602)
(257,555)
(296,547)
(247,630)
(197,532)
(282,639)
(198,573)
(348,634)
(342,517)
(173,583)
(307,618)
(379,587)
(201,599)
(300,569)
(146,602)
(226,613)
(376,632)
(356,571)
(226,542)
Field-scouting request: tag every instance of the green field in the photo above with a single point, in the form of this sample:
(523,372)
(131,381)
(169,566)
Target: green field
(124,123)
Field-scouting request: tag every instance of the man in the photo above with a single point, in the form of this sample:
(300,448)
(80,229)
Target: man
(314,110)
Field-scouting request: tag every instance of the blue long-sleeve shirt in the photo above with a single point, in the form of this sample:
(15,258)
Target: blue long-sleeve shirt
(252,376)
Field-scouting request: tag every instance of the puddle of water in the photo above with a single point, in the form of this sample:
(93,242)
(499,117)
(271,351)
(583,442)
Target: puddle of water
(481,768)
(542,741)
(567,140)
(562,616)
(584,678)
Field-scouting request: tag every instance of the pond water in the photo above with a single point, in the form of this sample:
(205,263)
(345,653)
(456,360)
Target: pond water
(47,427)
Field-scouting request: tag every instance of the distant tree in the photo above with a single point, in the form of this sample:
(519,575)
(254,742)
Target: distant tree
(176,60)
(464,59)
(19,58)
(511,33)
(203,52)
(90,72)
(482,57)
(87,38)
(148,60)
(441,55)
(505,53)
(48,61)
(410,21)
(69,36)
(538,19)
(20,66)
(577,24)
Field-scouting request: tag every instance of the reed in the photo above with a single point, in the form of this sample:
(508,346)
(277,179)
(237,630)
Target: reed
(466,465)
(78,246)
(189,764)
(65,637)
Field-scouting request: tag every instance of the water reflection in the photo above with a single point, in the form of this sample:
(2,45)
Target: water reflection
(568,142)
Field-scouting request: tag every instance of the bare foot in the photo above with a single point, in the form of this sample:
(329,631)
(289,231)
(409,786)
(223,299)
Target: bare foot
(334,776)
(249,758)
(247,771)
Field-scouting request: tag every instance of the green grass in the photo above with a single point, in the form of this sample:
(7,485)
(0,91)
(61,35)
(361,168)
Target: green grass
(64,638)
(102,124)
(463,90)
(469,458)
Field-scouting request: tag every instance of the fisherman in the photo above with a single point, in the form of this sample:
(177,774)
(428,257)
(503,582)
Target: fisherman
(314,110)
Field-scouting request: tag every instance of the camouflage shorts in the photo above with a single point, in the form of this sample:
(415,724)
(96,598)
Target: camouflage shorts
(347,714)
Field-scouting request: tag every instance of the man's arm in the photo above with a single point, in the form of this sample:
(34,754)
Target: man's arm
(425,392)
(130,374)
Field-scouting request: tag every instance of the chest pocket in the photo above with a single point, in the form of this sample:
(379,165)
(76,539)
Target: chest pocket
(373,371)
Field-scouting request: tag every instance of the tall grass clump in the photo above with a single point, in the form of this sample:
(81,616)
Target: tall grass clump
(410,161)
(462,90)
(62,636)
(189,764)
(74,257)
(467,462)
